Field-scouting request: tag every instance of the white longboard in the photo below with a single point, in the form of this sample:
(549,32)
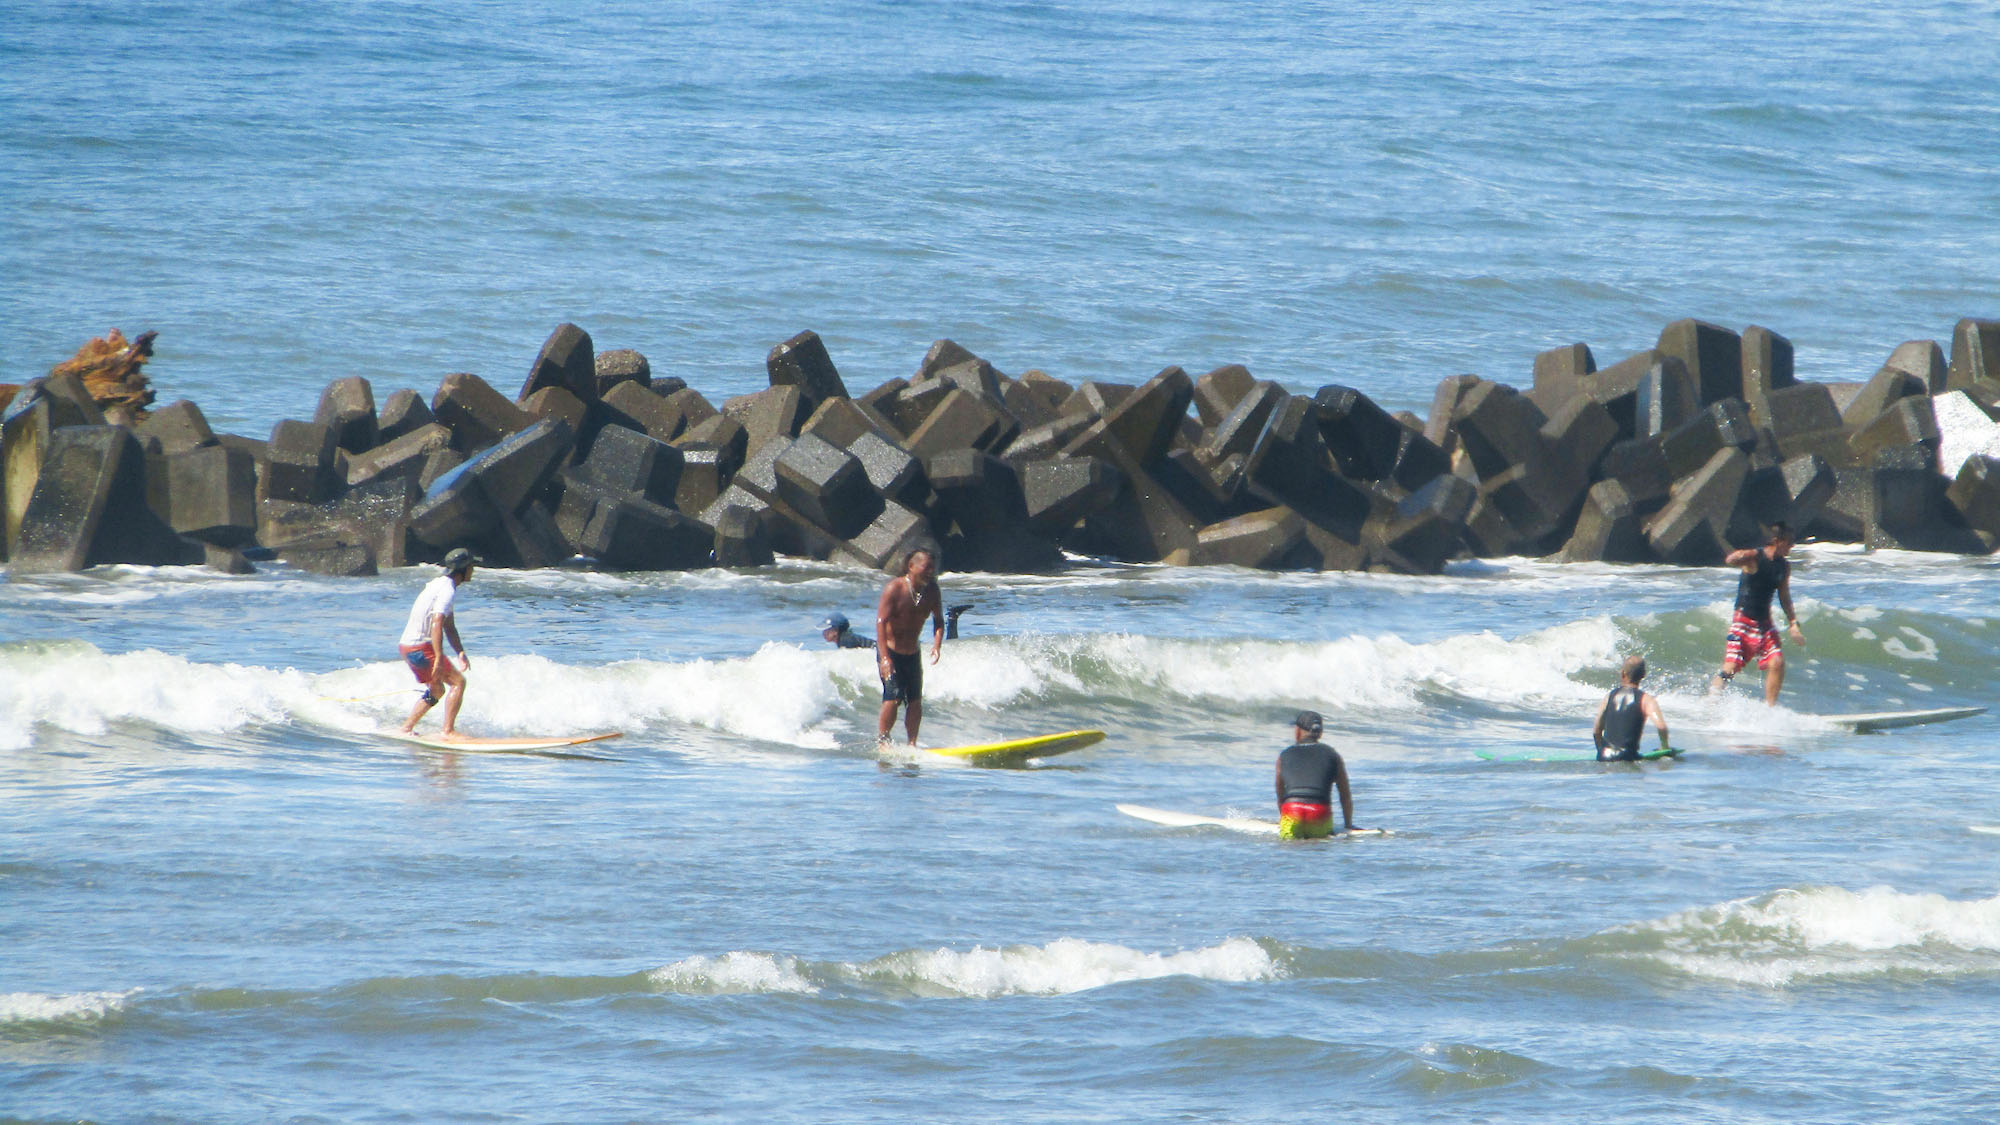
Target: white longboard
(1890,720)
(552,747)
(1247,825)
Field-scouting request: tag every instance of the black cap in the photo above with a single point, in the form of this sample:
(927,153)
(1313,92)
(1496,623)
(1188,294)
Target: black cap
(458,558)
(1309,721)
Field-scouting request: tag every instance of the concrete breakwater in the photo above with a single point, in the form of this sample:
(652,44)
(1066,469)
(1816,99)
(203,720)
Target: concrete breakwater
(1676,454)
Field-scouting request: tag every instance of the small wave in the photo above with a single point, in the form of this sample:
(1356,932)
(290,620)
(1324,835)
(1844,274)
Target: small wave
(1801,935)
(733,973)
(61,1009)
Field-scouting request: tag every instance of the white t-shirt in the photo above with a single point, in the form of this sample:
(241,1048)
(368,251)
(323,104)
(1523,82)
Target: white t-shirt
(434,602)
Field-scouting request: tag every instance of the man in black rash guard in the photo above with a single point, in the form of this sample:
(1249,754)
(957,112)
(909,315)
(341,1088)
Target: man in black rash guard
(1766,571)
(1308,772)
(1621,722)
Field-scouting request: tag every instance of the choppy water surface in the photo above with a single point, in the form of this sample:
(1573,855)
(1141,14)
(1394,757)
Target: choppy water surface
(222,898)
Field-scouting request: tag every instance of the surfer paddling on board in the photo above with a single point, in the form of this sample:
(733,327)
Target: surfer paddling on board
(1308,772)
(431,624)
(837,632)
(899,621)
(1766,571)
(1621,722)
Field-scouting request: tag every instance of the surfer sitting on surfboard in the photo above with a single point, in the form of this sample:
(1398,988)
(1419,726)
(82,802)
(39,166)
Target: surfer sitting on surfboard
(431,623)
(907,599)
(1621,722)
(1766,571)
(1308,772)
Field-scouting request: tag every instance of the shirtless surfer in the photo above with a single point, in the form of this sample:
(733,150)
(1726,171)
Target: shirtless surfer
(431,624)
(1308,772)
(907,599)
(1621,722)
(1752,633)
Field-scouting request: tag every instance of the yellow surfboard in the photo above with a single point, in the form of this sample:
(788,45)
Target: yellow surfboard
(1021,749)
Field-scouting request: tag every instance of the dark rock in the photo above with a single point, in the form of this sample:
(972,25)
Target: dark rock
(827,485)
(1975,354)
(622,365)
(802,363)
(404,413)
(299,462)
(475,413)
(1712,354)
(1218,392)
(347,406)
(177,427)
(1608,528)
(567,360)
(213,491)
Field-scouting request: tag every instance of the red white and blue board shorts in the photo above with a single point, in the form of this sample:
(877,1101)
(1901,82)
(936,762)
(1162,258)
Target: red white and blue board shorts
(1301,820)
(1749,638)
(422,662)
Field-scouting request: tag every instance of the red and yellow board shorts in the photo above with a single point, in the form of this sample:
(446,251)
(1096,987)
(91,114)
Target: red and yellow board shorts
(422,662)
(1750,639)
(1298,820)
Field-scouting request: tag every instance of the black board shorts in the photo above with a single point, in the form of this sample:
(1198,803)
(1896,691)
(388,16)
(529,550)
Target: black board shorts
(906,678)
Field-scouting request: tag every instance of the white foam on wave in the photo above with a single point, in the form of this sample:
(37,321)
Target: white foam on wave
(78,688)
(733,973)
(48,1007)
(1064,966)
(1796,936)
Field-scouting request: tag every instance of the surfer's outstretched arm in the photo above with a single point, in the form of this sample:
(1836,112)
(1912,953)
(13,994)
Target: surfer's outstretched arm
(1650,705)
(1346,794)
(1597,729)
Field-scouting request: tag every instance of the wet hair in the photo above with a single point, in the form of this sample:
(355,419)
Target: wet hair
(912,557)
(1635,668)
(1779,529)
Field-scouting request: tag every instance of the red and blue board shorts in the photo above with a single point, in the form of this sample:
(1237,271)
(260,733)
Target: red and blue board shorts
(422,662)
(1300,820)
(1751,639)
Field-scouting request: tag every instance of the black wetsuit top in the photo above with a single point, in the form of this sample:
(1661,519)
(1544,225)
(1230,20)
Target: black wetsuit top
(1624,723)
(1308,769)
(855,640)
(1755,589)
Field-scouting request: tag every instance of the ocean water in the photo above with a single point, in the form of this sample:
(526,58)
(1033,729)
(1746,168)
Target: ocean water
(223,897)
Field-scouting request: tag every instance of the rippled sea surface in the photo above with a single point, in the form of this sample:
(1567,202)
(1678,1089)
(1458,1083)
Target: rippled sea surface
(224,897)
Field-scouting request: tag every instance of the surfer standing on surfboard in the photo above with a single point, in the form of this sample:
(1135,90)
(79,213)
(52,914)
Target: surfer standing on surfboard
(1308,772)
(1752,633)
(899,623)
(431,624)
(1621,722)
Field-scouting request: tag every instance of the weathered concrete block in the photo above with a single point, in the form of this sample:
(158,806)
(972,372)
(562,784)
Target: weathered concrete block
(1418,462)
(725,434)
(628,533)
(879,404)
(557,404)
(629,462)
(1884,390)
(690,408)
(1218,392)
(1559,375)
(827,485)
(1143,524)
(213,491)
(1364,440)
(1712,354)
(375,516)
(76,482)
(1689,531)
(979,492)
(1262,540)
(1538,505)
(1723,425)
(1498,427)
(1647,394)
(942,354)
(1425,529)
(299,462)
(1097,399)
(347,406)
(337,558)
(1577,435)
(802,363)
(1975,354)
(568,360)
(526,539)
(475,413)
(1190,478)
(1767,366)
(706,471)
(633,407)
(974,376)
(404,413)
(1640,465)
(1965,430)
(962,420)
(1801,416)
(1244,424)
(70,399)
(24,444)
(1910,421)
(892,470)
(743,535)
(1046,441)
(1030,403)
(775,412)
(178,427)
(228,560)
(1792,493)
(520,466)
(1057,493)
(1608,528)
(1291,467)
(1911,505)
(889,538)
(1975,494)
(454,510)
(1923,359)
(838,421)
(621,365)
(1146,422)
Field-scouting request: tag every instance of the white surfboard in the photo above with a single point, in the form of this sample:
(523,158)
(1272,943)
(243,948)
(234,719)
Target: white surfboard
(558,746)
(1890,720)
(1248,825)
